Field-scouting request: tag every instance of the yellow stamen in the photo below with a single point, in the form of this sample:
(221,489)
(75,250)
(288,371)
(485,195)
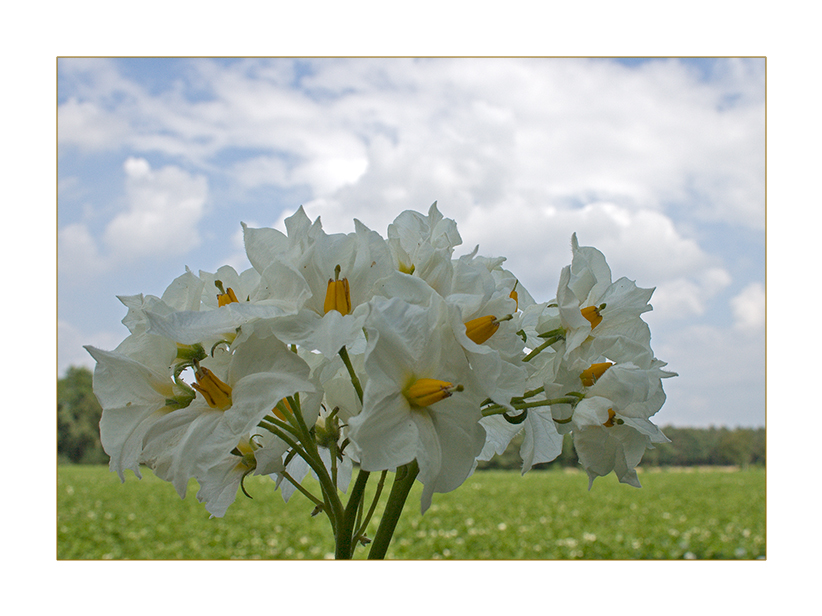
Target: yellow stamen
(482,328)
(425,392)
(592,314)
(216,393)
(224,299)
(514,296)
(337,295)
(611,416)
(592,374)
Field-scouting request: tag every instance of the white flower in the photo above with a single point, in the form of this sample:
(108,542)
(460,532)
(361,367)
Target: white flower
(183,293)
(146,420)
(591,306)
(338,273)
(616,447)
(421,401)
(134,396)
(422,245)
(259,373)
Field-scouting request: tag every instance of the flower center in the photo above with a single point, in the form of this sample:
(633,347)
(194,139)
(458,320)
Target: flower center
(216,393)
(613,420)
(611,416)
(425,392)
(337,295)
(225,297)
(592,314)
(590,375)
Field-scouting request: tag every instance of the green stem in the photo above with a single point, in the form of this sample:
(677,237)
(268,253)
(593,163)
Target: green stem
(333,505)
(499,409)
(393,509)
(361,527)
(355,381)
(345,531)
(541,347)
(307,494)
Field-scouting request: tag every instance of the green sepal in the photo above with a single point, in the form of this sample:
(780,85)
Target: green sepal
(189,353)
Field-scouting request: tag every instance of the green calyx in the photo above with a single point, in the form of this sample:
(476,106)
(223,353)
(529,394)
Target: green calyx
(188,353)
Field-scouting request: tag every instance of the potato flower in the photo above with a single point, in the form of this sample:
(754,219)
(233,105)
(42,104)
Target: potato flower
(421,399)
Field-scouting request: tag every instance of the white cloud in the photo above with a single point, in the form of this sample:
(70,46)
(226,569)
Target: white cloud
(78,256)
(70,341)
(88,126)
(688,297)
(164,208)
(748,308)
(554,132)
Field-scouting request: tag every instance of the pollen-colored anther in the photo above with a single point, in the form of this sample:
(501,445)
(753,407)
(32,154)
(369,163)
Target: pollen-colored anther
(611,416)
(590,375)
(482,328)
(216,393)
(338,297)
(514,295)
(425,392)
(224,299)
(592,314)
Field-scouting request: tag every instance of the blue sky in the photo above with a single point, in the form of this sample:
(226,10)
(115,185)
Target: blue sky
(659,163)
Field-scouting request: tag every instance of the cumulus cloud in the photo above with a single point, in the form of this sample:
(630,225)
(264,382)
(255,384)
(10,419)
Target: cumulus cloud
(90,127)
(399,133)
(748,308)
(77,253)
(163,210)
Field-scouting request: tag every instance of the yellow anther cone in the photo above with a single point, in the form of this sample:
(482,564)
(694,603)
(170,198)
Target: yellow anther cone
(481,329)
(590,375)
(425,392)
(338,297)
(216,393)
(592,314)
(224,299)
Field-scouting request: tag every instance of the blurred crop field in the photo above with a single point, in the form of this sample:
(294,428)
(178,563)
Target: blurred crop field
(692,513)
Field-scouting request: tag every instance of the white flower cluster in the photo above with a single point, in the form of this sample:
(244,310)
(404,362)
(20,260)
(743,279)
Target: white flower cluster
(354,348)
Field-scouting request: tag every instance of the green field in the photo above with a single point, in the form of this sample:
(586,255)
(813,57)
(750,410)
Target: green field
(496,515)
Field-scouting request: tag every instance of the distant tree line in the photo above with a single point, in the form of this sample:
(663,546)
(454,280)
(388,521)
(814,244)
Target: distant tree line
(78,437)
(688,447)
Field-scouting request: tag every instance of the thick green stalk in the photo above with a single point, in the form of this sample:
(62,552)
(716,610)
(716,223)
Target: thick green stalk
(393,509)
(345,531)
